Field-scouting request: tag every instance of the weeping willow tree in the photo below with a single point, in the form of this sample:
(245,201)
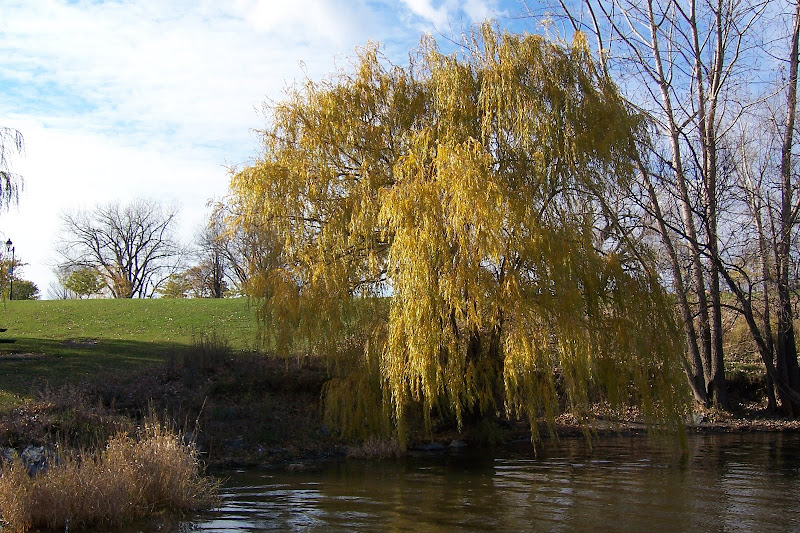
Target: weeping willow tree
(451,239)
(11,142)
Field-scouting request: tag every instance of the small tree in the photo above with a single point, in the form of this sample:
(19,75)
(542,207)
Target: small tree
(10,272)
(25,290)
(84,281)
(10,276)
(204,282)
(176,286)
(207,277)
(56,289)
(245,247)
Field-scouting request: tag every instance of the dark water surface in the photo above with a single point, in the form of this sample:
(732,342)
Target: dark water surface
(725,482)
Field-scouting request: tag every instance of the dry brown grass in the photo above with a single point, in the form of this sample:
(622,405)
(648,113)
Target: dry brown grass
(129,478)
(376,448)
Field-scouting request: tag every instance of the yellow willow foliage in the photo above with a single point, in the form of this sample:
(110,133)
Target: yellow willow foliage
(441,219)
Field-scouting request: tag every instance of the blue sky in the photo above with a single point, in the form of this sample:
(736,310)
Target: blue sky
(157,98)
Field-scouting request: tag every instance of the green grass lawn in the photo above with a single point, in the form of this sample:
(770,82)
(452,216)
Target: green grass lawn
(65,341)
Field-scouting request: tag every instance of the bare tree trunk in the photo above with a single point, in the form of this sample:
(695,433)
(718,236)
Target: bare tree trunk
(755,203)
(687,215)
(768,284)
(694,366)
(706,108)
(785,391)
(786,354)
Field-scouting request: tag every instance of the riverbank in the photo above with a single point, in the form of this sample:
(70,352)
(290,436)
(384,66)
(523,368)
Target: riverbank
(246,409)
(82,371)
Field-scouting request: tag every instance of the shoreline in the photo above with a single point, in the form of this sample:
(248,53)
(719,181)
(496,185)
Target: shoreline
(254,410)
(294,458)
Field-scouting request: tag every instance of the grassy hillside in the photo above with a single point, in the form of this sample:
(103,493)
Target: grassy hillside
(65,341)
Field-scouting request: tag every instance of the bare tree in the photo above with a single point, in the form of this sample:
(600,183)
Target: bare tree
(697,70)
(209,274)
(683,63)
(766,169)
(788,373)
(132,246)
(245,248)
(57,290)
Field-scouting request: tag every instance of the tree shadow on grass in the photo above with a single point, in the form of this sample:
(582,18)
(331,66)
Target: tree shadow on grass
(29,364)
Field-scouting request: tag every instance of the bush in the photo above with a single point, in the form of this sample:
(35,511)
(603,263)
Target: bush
(129,478)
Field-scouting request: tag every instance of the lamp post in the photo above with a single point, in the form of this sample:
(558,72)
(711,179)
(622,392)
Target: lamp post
(10,248)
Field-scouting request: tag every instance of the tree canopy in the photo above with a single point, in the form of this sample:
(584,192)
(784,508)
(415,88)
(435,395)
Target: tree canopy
(451,238)
(84,281)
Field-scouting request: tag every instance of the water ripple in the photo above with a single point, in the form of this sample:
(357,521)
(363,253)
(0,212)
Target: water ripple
(722,483)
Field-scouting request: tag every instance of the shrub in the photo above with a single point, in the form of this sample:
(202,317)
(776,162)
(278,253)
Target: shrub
(129,478)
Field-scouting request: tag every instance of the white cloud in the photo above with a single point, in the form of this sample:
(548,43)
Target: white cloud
(455,15)
(321,21)
(119,100)
(172,65)
(438,16)
(479,10)
(127,98)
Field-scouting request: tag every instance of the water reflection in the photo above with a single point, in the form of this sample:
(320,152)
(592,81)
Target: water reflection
(743,482)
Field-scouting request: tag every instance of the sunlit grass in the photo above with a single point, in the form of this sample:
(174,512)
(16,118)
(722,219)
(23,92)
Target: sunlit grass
(157,320)
(59,342)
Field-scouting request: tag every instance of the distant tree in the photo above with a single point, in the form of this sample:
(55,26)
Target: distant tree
(84,281)
(56,290)
(247,246)
(131,246)
(25,290)
(22,289)
(176,286)
(5,275)
(9,272)
(207,277)
(204,281)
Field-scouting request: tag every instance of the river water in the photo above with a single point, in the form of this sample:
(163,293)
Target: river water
(723,482)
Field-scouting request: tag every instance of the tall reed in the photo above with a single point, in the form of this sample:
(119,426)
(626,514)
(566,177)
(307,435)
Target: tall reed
(130,478)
